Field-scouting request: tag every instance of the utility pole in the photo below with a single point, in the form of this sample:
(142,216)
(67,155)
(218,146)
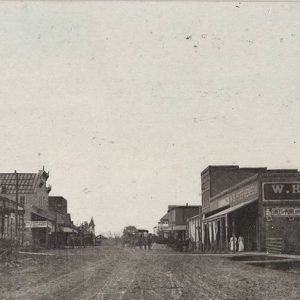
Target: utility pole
(17,204)
(56,238)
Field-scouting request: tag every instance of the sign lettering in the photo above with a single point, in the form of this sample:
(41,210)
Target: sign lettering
(282,212)
(243,194)
(277,188)
(281,191)
(37,224)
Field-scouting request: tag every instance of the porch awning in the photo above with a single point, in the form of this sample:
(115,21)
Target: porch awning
(9,205)
(228,210)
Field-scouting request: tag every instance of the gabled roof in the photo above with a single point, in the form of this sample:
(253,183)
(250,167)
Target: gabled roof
(27,182)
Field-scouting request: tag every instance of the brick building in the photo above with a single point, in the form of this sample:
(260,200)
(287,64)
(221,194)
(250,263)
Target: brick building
(64,227)
(256,206)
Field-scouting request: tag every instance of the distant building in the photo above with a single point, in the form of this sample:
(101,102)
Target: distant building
(58,203)
(63,224)
(32,191)
(173,223)
(163,226)
(92,226)
(256,207)
(40,215)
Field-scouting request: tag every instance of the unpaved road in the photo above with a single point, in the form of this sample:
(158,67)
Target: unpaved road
(114,273)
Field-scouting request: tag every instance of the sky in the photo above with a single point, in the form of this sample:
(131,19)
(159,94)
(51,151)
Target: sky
(125,103)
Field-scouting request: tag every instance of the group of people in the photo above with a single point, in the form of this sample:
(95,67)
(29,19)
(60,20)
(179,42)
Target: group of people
(143,241)
(236,244)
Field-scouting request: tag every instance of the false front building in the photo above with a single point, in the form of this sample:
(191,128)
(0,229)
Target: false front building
(42,220)
(253,207)
(30,191)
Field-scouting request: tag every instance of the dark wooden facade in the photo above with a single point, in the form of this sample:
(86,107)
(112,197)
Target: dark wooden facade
(263,210)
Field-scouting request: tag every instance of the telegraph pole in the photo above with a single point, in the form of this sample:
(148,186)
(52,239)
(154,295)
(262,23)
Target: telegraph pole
(17,204)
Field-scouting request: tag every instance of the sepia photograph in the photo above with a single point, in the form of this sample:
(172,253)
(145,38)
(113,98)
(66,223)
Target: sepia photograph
(150,150)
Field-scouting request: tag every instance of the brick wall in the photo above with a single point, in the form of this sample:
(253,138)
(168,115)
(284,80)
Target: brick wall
(216,179)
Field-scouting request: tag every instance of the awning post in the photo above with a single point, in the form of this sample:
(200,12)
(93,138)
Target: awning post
(233,234)
(226,232)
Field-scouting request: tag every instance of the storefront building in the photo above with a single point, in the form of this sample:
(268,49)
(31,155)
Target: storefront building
(31,191)
(42,220)
(193,232)
(11,220)
(256,213)
(178,216)
(163,230)
(173,225)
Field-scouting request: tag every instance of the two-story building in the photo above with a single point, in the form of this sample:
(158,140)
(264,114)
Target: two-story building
(31,191)
(176,218)
(63,224)
(253,207)
(162,229)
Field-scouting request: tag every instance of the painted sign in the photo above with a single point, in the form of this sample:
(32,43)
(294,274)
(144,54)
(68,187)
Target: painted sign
(37,224)
(246,193)
(282,212)
(281,191)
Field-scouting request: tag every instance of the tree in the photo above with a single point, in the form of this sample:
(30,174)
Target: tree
(129,231)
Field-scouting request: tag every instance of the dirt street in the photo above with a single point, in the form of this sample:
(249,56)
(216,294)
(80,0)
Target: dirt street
(114,273)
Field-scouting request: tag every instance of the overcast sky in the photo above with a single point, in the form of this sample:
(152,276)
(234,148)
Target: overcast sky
(125,103)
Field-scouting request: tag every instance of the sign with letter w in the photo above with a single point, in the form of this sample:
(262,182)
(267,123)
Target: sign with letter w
(281,191)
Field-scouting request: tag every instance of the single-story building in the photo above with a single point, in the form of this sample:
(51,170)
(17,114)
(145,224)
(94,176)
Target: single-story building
(250,209)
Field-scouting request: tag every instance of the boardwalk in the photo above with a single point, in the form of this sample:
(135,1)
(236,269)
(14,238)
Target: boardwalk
(115,273)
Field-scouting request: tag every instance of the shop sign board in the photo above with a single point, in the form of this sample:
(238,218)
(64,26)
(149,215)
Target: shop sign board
(281,191)
(37,224)
(244,194)
(282,212)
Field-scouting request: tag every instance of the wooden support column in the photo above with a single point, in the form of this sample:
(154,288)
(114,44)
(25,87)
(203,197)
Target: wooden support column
(221,234)
(195,234)
(22,239)
(233,234)
(47,237)
(260,228)
(203,236)
(10,221)
(2,224)
(226,233)
(199,234)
